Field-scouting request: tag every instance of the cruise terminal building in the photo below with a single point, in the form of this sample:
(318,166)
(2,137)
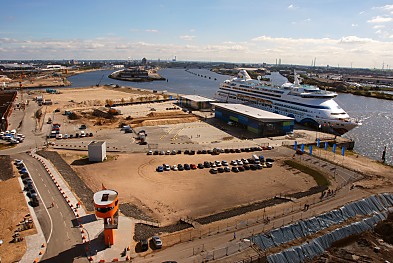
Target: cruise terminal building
(260,122)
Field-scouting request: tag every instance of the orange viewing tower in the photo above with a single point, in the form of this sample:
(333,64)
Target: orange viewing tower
(106,205)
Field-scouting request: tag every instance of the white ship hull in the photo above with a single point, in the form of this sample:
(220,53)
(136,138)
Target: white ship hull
(308,105)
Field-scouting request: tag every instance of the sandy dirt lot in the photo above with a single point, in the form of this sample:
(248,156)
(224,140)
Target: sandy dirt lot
(12,211)
(168,196)
(86,97)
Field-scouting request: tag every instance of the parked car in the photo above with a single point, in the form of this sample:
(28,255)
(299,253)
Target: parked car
(206,164)
(180,167)
(160,169)
(241,168)
(166,167)
(187,166)
(174,167)
(193,166)
(227,169)
(200,166)
(213,171)
(235,169)
(156,241)
(220,169)
(27,180)
(150,152)
(144,245)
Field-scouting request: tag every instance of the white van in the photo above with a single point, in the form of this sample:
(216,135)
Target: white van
(255,158)
(59,136)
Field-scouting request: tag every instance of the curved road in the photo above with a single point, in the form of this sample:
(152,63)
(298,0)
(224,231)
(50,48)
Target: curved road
(63,239)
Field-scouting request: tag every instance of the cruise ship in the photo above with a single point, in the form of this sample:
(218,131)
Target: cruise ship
(309,105)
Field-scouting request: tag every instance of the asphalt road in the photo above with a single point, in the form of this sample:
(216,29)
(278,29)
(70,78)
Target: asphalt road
(63,239)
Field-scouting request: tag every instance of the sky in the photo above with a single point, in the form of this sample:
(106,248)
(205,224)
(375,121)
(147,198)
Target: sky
(357,33)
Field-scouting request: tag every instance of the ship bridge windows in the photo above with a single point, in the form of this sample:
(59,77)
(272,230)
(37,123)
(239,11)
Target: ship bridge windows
(337,113)
(274,98)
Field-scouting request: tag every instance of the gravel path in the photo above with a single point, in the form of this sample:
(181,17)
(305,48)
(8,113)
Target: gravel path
(73,180)
(143,231)
(256,206)
(133,211)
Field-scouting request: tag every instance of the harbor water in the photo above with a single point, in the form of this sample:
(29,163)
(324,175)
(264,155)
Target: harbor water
(370,138)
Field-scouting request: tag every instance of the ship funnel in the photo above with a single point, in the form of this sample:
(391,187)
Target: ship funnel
(243,75)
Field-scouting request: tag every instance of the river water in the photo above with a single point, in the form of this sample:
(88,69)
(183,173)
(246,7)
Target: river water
(370,138)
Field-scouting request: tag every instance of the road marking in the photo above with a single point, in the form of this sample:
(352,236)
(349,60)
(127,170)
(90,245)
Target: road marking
(48,191)
(44,184)
(61,214)
(42,179)
(68,236)
(50,218)
(64,224)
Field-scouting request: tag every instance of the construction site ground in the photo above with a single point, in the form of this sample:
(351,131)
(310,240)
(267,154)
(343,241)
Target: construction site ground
(13,210)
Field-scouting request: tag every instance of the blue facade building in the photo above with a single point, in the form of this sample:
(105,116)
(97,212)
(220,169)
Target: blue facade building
(260,122)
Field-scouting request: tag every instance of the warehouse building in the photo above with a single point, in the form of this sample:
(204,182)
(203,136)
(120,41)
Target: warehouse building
(7,99)
(97,151)
(195,102)
(257,121)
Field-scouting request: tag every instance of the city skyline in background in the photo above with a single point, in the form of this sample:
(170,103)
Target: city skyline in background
(330,32)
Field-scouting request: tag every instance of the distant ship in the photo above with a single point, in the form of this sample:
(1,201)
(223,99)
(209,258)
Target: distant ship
(309,105)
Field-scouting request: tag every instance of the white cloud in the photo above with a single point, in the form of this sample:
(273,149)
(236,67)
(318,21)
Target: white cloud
(380,19)
(354,39)
(292,7)
(361,51)
(187,37)
(354,25)
(362,12)
(385,7)
(152,30)
(378,26)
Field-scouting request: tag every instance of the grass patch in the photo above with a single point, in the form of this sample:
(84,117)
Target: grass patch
(319,177)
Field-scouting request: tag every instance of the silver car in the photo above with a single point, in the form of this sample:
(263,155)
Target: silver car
(157,241)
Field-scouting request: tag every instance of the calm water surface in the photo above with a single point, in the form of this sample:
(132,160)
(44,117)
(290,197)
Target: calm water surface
(370,138)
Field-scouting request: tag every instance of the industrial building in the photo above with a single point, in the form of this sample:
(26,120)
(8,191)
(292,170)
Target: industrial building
(97,151)
(257,121)
(195,102)
(7,99)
